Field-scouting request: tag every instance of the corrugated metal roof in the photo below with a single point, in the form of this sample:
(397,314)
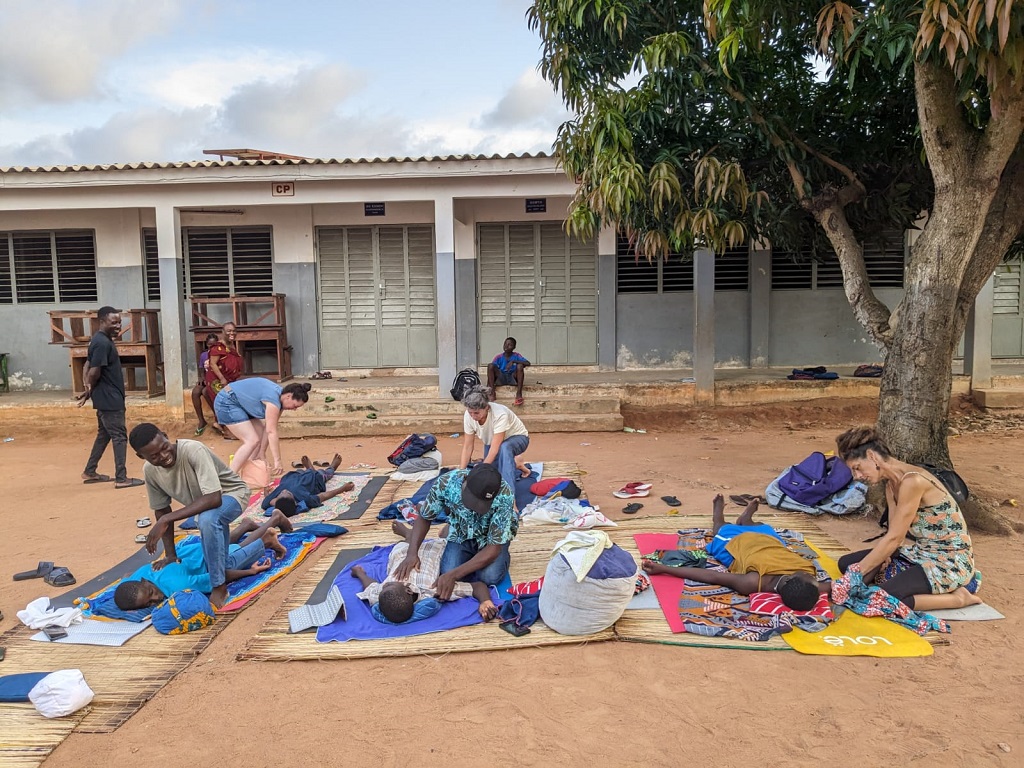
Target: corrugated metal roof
(242,163)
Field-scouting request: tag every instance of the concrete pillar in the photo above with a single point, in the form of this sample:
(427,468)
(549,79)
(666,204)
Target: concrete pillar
(467,341)
(978,338)
(760,304)
(704,326)
(295,277)
(444,253)
(606,297)
(174,346)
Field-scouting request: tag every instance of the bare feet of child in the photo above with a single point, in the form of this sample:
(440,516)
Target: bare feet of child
(401,530)
(488,610)
(306,463)
(336,462)
(280,520)
(272,542)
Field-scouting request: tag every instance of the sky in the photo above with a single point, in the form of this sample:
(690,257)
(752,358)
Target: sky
(120,81)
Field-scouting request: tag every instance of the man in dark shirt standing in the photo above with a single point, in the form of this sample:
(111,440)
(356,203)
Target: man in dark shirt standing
(104,385)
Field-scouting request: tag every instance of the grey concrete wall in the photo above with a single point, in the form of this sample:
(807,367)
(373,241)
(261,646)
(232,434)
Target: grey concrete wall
(121,287)
(466,341)
(297,281)
(447,322)
(818,328)
(656,330)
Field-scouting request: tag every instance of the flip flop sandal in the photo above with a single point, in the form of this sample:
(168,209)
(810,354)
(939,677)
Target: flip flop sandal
(639,486)
(321,463)
(630,493)
(518,401)
(371,415)
(97,479)
(199,431)
(328,399)
(141,538)
(143,522)
(41,570)
(132,483)
(742,499)
(60,577)
(672,501)
(300,465)
(632,509)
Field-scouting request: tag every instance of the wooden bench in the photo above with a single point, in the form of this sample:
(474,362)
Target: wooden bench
(259,321)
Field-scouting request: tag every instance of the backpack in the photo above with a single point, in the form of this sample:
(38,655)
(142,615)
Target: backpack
(465,380)
(815,479)
(412,447)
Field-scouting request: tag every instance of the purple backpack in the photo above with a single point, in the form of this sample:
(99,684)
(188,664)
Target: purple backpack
(815,479)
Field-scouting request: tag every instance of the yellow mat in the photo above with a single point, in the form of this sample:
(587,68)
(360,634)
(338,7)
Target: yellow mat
(853,635)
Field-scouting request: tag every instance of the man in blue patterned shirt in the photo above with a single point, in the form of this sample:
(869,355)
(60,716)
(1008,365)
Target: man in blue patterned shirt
(482,522)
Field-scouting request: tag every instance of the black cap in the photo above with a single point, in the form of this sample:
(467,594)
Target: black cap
(482,484)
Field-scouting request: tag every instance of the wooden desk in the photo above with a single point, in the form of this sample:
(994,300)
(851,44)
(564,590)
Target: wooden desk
(138,346)
(256,319)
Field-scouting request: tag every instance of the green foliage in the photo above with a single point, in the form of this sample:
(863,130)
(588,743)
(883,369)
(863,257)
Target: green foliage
(703,124)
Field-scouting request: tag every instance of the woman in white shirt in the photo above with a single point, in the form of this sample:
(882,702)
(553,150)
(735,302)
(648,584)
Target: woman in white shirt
(502,433)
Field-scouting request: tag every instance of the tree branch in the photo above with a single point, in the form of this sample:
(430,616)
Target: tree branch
(855,182)
(1003,224)
(948,141)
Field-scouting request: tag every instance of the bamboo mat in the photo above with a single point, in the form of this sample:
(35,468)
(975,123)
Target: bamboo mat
(27,738)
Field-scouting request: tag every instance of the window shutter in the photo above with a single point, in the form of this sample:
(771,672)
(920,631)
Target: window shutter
(6,287)
(33,268)
(1007,300)
(422,297)
(790,274)
(732,269)
(885,261)
(633,275)
(152,262)
(252,262)
(76,265)
(677,273)
(494,295)
(207,263)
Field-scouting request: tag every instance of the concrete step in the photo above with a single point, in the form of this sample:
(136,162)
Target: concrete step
(413,406)
(1001,397)
(303,424)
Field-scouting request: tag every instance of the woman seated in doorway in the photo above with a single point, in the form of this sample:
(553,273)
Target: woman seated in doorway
(932,571)
(225,365)
(500,431)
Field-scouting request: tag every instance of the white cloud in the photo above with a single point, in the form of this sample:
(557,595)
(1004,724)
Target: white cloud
(531,101)
(211,79)
(56,51)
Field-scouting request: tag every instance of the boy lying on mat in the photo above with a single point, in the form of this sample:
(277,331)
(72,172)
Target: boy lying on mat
(397,601)
(757,559)
(305,489)
(151,584)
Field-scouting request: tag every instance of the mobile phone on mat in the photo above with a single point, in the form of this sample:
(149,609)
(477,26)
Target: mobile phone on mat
(54,632)
(514,629)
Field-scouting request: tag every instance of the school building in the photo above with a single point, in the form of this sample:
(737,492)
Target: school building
(420,265)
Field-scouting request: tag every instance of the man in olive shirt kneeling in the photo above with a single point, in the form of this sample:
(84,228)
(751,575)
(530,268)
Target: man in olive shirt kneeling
(191,474)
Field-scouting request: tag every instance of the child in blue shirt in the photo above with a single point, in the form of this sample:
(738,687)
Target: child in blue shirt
(507,370)
(304,489)
(152,583)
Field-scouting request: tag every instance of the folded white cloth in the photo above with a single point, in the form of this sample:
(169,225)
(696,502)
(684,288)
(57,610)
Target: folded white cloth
(61,693)
(416,477)
(581,550)
(38,614)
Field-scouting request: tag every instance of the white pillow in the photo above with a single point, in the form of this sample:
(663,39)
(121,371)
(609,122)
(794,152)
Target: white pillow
(61,693)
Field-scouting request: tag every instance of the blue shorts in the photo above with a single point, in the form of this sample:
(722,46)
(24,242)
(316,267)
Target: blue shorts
(228,410)
(727,533)
(505,378)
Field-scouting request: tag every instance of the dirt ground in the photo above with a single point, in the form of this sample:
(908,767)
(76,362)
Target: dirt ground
(604,704)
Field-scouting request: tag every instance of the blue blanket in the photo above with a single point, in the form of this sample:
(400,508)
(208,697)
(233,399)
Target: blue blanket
(103,605)
(360,624)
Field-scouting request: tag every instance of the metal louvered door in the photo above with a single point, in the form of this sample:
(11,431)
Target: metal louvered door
(540,286)
(1008,311)
(377,297)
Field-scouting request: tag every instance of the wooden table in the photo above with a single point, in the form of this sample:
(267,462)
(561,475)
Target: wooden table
(138,346)
(256,319)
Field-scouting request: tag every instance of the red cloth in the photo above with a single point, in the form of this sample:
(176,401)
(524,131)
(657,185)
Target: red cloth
(526,587)
(229,362)
(543,487)
(771,604)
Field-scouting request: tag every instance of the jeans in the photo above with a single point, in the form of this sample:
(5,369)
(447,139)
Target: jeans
(459,553)
(506,462)
(215,530)
(110,428)
(245,557)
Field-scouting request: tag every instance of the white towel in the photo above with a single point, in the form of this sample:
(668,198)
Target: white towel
(38,614)
(581,550)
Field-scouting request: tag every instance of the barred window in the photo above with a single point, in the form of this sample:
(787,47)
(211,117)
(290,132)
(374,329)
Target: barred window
(151,258)
(732,269)
(47,267)
(884,263)
(229,262)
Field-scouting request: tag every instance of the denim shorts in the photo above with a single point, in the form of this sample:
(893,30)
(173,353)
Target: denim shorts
(228,410)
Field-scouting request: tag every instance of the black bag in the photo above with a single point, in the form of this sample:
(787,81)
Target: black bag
(465,380)
(951,481)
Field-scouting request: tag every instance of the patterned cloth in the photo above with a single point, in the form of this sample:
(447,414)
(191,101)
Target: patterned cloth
(422,579)
(942,545)
(499,526)
(869,600)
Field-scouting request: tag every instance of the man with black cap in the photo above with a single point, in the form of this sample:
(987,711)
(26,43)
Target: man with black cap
(482,522)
